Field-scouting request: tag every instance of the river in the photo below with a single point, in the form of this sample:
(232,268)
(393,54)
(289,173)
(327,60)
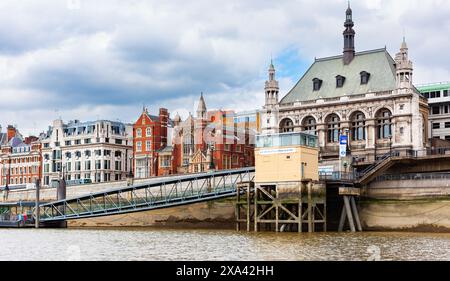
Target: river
(175,244)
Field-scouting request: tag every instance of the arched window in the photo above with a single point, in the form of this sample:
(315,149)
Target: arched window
(333,128)
(358,126)
(309,125)
(384,124)
(286,125)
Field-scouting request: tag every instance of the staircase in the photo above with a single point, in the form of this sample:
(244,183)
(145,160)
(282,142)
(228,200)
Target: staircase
(383,163)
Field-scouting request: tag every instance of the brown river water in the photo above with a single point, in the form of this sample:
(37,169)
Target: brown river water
(175,244)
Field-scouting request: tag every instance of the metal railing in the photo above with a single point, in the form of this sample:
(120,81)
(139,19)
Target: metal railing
(384,158)
(337,176)
(165,193)
(413,176)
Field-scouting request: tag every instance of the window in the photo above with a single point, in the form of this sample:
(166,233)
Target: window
(447,138)
(445,93)
(139,146)
(384,126)
(139,133)
(87,165)
(148,146)
(286,125)
(340,81)
(118,141)
(436,125)
(77,141)
(402,106)
(333,128)
(165,161)
(358,126)
(148,132)
(78,154)
(235,160)
(309,125)
(87,153)
(98,164)
(317,83)
(118,154)
(427,95)
(118,165)
(87,141)
(435,110)
(447,125)
(107,152)
(77,166)
(67,143)
(364,77)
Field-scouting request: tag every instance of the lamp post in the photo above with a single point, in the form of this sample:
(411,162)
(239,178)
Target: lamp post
(390,145)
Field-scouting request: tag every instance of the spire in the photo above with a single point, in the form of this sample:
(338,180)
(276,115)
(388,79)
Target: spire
(404,67)
(271,88)
(201,109)
(349,36)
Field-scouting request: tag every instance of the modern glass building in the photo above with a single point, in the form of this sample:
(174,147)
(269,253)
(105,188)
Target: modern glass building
(439,102)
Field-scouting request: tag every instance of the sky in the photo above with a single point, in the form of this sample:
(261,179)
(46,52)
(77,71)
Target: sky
(106,59)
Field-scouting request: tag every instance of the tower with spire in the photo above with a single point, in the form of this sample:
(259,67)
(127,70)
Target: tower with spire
(404,67)
(201,109)
(271,87)
(349,37)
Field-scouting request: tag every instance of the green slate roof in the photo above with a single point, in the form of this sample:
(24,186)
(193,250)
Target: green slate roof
(378,63)
(434,87)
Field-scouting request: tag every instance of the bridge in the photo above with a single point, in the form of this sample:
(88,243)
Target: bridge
(166,193)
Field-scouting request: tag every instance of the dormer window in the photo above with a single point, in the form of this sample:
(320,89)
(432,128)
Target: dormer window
(364,77)
(340,81)
(317,83)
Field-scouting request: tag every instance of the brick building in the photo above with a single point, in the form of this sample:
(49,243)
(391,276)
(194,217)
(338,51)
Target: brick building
(20,160)
(212,140)
(150,137)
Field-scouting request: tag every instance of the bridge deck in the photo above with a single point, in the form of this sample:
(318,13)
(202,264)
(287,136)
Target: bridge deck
(166,193)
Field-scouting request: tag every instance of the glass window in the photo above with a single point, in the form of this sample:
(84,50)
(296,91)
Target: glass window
(333,128)
(139,133)
(286,125)
(384,125)
(358,127)
(309,125)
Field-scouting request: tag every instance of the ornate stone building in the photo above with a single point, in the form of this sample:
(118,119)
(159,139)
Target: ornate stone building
(368,96)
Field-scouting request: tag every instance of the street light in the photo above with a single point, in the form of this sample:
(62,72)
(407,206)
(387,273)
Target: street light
(390,145)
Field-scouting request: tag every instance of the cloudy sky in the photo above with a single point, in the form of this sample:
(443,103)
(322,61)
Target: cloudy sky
(104,59)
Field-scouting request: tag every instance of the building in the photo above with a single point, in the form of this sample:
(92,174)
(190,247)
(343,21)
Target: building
(252,118)
(99,151)
(367,95)
(150,137)
(20,161)
(439,102)
(213,140)
(286,157)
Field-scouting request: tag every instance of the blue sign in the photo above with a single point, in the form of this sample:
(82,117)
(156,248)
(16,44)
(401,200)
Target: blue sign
(343,140)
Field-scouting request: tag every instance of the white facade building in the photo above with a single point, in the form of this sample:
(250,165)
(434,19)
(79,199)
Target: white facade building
(368,96)
(100,151)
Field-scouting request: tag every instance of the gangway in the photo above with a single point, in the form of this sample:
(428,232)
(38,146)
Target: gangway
(166,193)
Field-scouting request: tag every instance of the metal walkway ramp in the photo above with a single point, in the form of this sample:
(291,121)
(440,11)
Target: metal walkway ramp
(166,193)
